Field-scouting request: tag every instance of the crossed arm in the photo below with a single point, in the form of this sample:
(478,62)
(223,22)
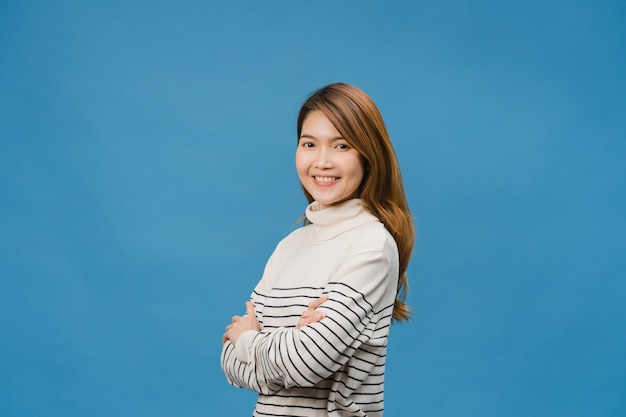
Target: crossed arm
(280,357)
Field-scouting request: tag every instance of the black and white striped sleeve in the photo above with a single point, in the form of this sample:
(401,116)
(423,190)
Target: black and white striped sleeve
(242,374)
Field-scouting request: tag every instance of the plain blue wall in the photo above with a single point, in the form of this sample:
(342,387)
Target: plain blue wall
(146,172)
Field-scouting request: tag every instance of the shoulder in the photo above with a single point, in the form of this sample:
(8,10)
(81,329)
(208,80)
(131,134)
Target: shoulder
(374,237)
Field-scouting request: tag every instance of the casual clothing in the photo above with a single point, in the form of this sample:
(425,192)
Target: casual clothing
(334,367)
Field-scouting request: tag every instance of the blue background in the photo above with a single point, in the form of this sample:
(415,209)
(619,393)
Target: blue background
(146,173)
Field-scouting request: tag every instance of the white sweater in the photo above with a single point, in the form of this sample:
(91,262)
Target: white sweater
(334,367)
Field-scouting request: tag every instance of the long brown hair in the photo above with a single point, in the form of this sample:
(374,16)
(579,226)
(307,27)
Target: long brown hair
(358,120)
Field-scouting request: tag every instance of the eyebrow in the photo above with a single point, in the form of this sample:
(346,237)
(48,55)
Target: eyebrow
(305,136)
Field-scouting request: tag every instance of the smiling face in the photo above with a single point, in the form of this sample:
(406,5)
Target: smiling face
(328,167)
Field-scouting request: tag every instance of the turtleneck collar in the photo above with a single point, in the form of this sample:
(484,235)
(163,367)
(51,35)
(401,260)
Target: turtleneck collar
(332,221)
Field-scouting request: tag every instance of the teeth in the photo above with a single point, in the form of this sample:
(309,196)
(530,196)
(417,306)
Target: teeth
(325,179)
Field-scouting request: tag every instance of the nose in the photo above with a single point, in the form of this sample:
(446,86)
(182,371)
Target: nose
(322,159)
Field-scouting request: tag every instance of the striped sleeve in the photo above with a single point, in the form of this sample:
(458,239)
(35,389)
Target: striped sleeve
(241,374)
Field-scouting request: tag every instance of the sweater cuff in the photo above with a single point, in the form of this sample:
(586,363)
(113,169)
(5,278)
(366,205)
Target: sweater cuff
(243,345)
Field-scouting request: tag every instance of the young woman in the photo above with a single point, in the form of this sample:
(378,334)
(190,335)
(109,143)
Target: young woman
(314,337)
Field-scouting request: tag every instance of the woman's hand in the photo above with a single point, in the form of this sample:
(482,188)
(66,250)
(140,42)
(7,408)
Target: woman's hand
(241,324)
(310,315)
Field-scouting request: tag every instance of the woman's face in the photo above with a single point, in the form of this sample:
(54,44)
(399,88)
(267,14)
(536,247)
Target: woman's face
(328,167)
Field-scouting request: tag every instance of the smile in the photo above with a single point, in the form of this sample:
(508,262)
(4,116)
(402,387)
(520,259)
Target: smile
(325,179)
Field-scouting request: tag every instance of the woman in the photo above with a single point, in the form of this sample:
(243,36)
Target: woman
(347,264)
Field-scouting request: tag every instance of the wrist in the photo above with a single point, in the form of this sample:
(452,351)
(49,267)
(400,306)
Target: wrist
(243,345)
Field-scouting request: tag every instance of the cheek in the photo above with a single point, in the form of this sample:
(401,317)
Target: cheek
(301,163)
(357,170)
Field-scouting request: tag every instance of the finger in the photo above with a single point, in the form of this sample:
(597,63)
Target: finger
(313,317)
(318,316)
(315,304)
(249,308)
(309,319)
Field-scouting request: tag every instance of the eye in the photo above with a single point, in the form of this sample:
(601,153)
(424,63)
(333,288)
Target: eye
(342,146)
(306,144)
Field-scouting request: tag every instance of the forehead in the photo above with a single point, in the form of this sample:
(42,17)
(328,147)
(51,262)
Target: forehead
(317,125)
